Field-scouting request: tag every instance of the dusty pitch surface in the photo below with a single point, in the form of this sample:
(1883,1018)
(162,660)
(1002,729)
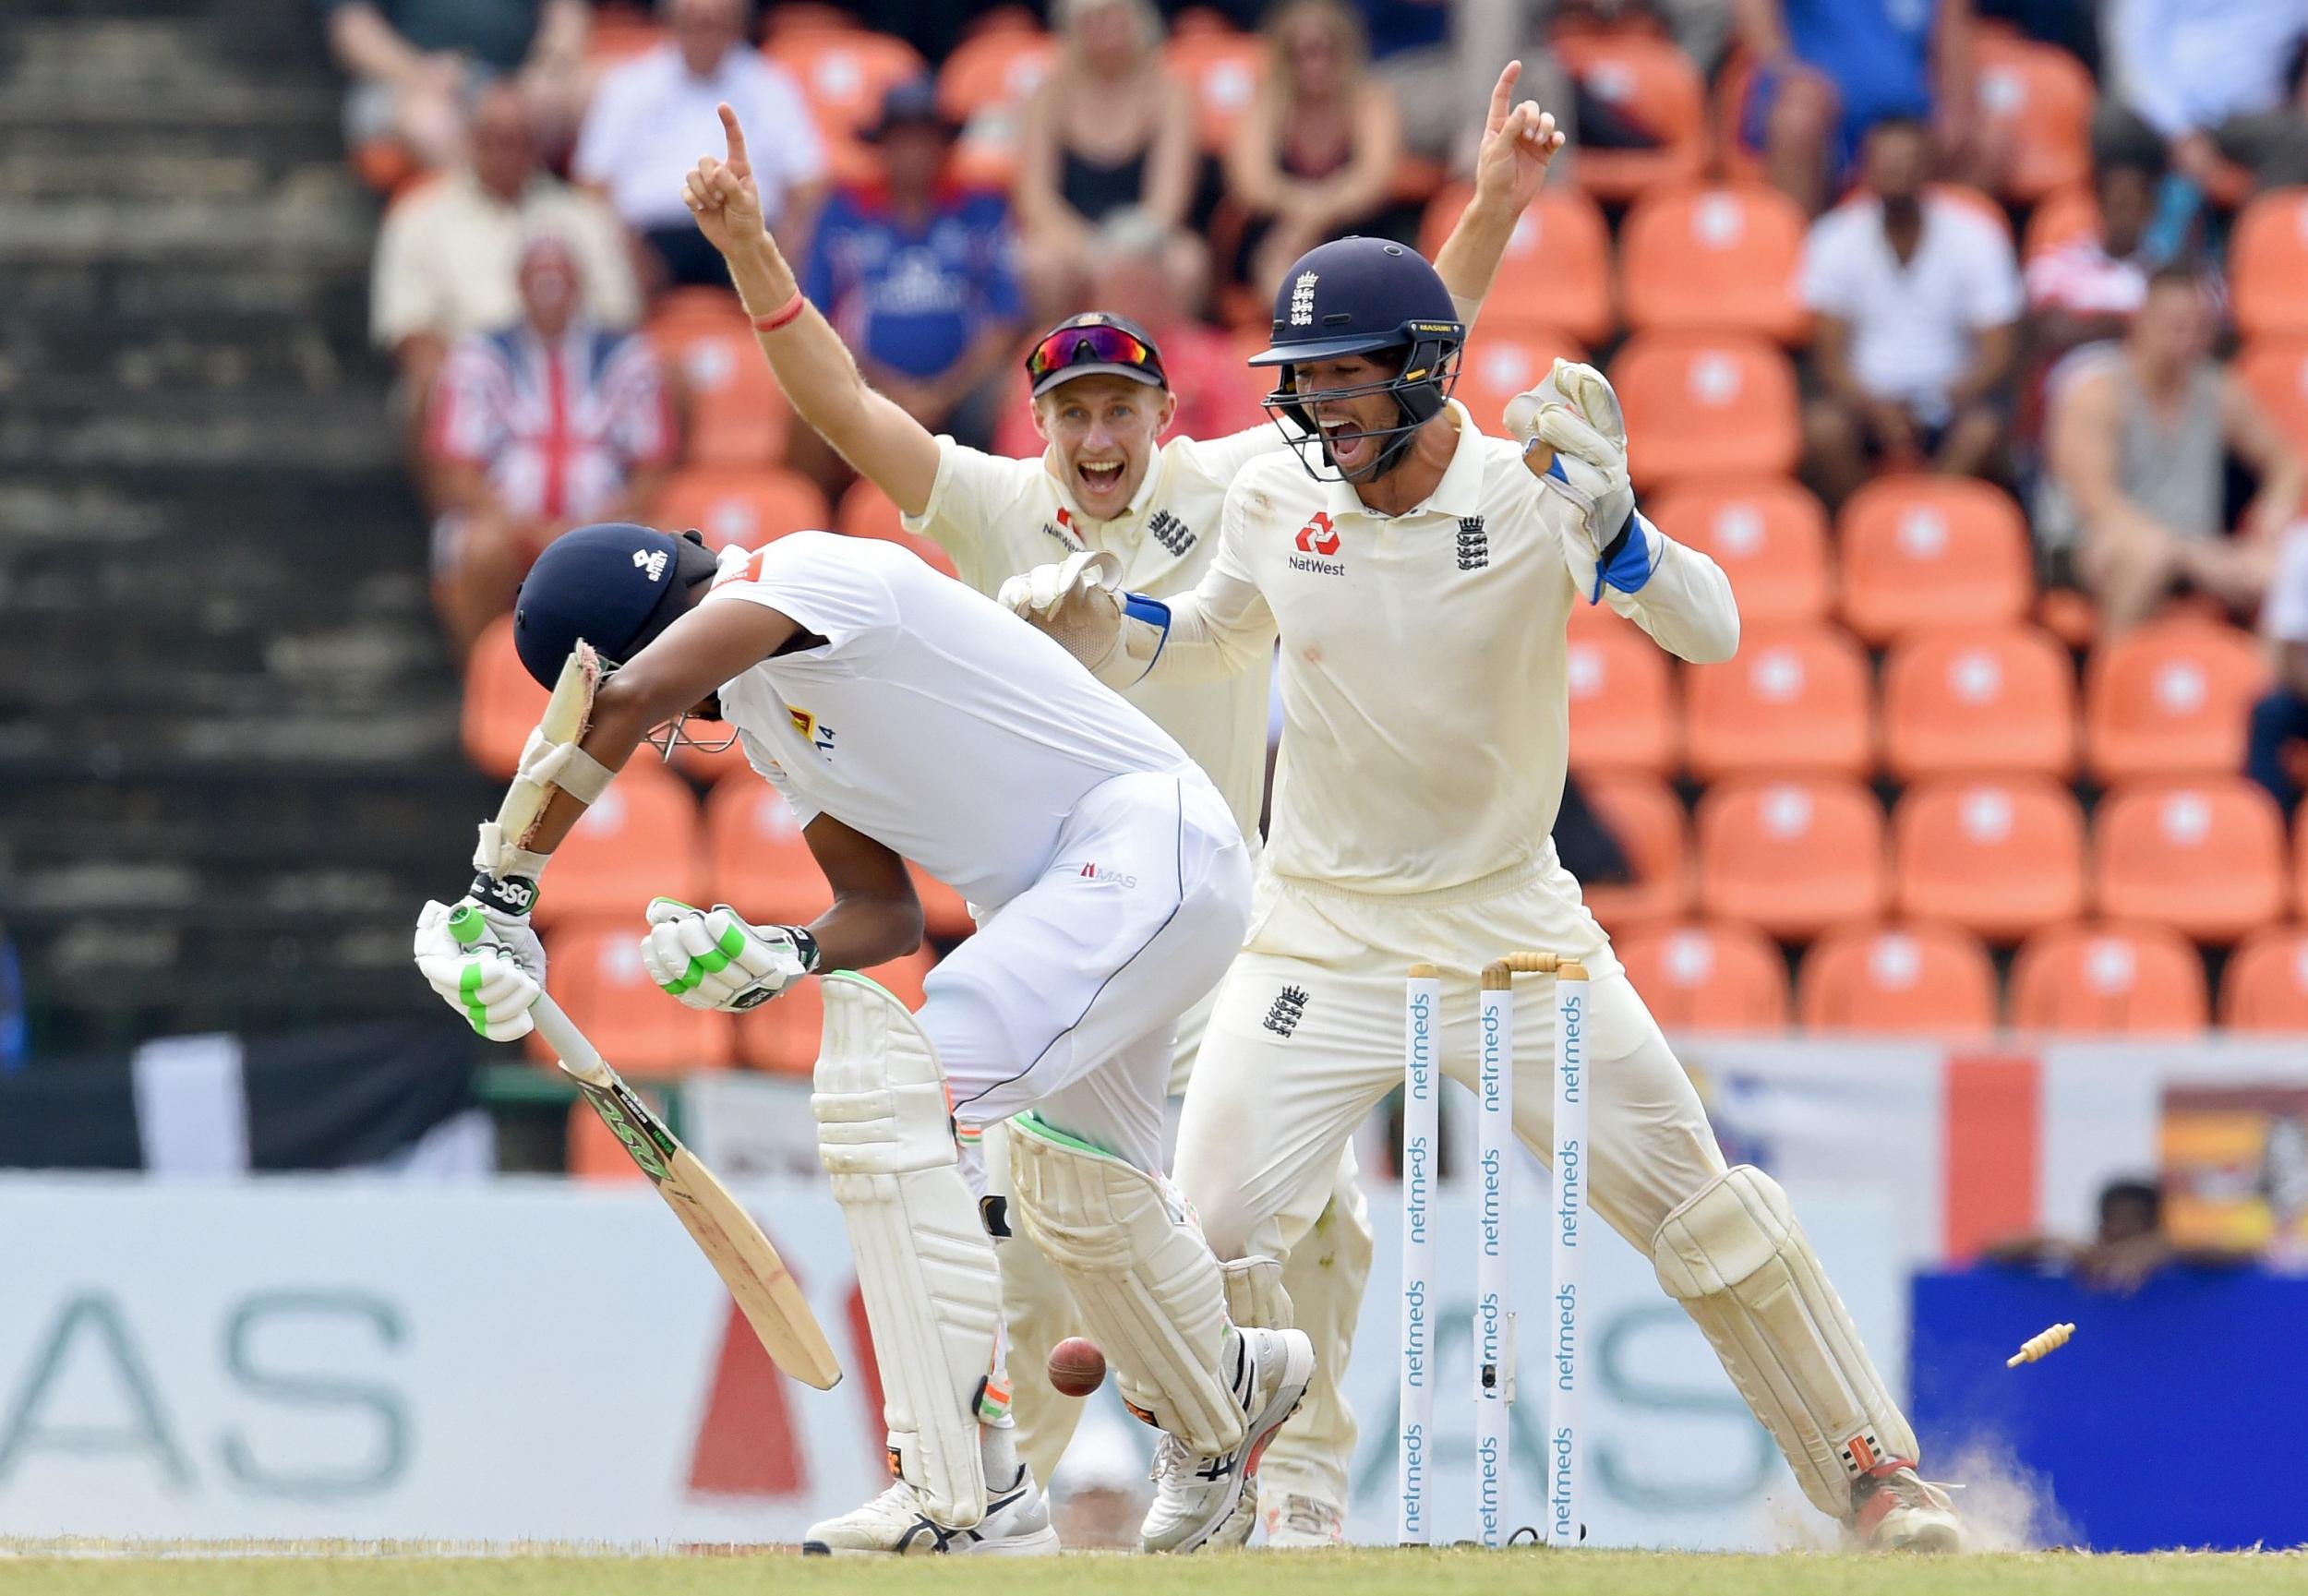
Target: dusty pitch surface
(348,1570)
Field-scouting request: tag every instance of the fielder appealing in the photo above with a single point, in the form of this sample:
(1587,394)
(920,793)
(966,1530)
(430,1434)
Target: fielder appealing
(1101,400)
(1419,576)
(904,716)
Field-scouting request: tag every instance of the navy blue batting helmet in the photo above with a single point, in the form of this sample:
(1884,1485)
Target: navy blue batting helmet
(615,586)
(1364,296)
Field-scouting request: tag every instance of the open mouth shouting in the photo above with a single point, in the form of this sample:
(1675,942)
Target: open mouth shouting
(1100,479)
(1350,447)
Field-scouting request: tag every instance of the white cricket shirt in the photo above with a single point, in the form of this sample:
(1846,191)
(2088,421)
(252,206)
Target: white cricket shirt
(1000,517)
(1426,708)
(931,719)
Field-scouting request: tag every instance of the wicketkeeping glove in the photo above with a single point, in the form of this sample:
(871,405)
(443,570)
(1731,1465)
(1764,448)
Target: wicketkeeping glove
(1078,601)
(711,959)
(491,980)
(1575,413)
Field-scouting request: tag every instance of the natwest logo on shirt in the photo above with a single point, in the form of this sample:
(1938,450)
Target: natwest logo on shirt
(1063,529)
(1319,536)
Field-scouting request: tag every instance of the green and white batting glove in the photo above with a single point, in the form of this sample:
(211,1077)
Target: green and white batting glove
(711,959)
(487,965)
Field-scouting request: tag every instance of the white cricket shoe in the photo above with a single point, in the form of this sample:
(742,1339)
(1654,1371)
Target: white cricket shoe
(1301,1523)
(1017,1523)
(1894,1510)
(1207,1501)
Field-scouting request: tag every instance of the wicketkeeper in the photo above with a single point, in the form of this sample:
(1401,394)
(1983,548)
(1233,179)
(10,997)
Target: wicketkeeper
(1419,576)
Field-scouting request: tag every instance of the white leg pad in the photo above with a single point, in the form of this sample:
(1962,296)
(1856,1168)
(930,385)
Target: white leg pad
(926,1266)
(1147,1287)
(1255,1293)
(1735,1257)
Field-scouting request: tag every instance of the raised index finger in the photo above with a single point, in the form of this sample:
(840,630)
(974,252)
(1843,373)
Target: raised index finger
(736,136)
(1502,95)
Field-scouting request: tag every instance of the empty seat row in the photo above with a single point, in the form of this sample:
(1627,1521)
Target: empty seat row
(1920,978)
(1998,856)
(2168,698)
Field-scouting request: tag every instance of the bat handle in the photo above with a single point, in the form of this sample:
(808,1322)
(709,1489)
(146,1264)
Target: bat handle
(577,1055)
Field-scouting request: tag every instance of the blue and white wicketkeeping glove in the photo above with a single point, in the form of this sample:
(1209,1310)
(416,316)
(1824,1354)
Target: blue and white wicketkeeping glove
(711,959)
(491,980)
(1576,413)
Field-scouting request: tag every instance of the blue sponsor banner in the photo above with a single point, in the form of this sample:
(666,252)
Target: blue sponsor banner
(2168,1422)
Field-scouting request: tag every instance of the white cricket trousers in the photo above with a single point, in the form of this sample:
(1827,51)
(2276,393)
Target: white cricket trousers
(1305,1039)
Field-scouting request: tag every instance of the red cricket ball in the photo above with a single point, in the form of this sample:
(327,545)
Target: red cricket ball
(1077,1367)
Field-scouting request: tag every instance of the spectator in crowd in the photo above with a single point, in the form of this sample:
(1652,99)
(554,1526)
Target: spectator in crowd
(446,254)
(2086,290)
(918,278)
(652,116)
(2137,445)
(2130,1247)
(1314,157)
(2216,85)
(1918,301)
(1426,50)
(550,423)
(1828,71)
(1108,129)
(2276,755)
(415,66)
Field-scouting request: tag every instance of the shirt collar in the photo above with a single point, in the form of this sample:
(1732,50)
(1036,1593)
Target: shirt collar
(1459,493)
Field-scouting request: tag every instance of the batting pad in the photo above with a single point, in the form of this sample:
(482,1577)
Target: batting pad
(1742,1267)
(925,1265)
(1141,1274)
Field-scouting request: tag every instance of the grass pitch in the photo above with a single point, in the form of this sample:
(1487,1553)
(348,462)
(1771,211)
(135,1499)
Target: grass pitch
(354,1571)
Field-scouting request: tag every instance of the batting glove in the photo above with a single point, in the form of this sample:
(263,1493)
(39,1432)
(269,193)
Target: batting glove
(1575,413)
(491,980)
(711,959)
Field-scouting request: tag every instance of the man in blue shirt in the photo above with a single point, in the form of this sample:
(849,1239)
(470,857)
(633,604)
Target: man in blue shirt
(917,275)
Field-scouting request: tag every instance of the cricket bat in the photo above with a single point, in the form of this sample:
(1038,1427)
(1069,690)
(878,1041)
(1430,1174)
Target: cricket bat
(768,1295)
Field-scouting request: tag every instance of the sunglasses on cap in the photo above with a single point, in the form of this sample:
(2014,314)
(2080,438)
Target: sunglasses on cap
(1095,346)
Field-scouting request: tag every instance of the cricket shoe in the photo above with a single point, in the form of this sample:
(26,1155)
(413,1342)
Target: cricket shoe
(1213,1500)
(1893,1510)
(893,1524)
(1302,1523)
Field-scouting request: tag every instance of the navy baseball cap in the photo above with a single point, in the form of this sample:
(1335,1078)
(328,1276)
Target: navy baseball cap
(615,586)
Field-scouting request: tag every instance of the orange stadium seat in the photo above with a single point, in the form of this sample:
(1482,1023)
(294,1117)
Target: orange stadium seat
(2204,856)
(2170,697)
(1622,701)
(1793,699)
(2058,220)
(741,507)
(1792,857)
(866,512)
(2267,265)
(1222,69)
(1998,856)
(639,840)
(1965,701)
(2276,370)
(2036,101)
(1714,260)
(1650,84)
(598,979)
(503,703)
(1557,270)
(844,73)
(1923,551)
(1498,365)
(983,87)
(1723,978)
(755,855)
(1707,405)
(2108,978)
(733,411)
(1918,978)
(1646,817)
(2266,985)
(620,33)
(1768,533)
(783,1037)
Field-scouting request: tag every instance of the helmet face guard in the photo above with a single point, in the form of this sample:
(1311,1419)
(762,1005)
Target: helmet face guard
(1429,371)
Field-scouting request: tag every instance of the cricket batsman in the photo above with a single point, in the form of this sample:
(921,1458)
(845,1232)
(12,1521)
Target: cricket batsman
(904,716)
(1419,576)
(1106,484)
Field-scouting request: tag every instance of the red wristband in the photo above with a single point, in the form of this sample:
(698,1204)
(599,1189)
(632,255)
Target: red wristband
(782,314)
